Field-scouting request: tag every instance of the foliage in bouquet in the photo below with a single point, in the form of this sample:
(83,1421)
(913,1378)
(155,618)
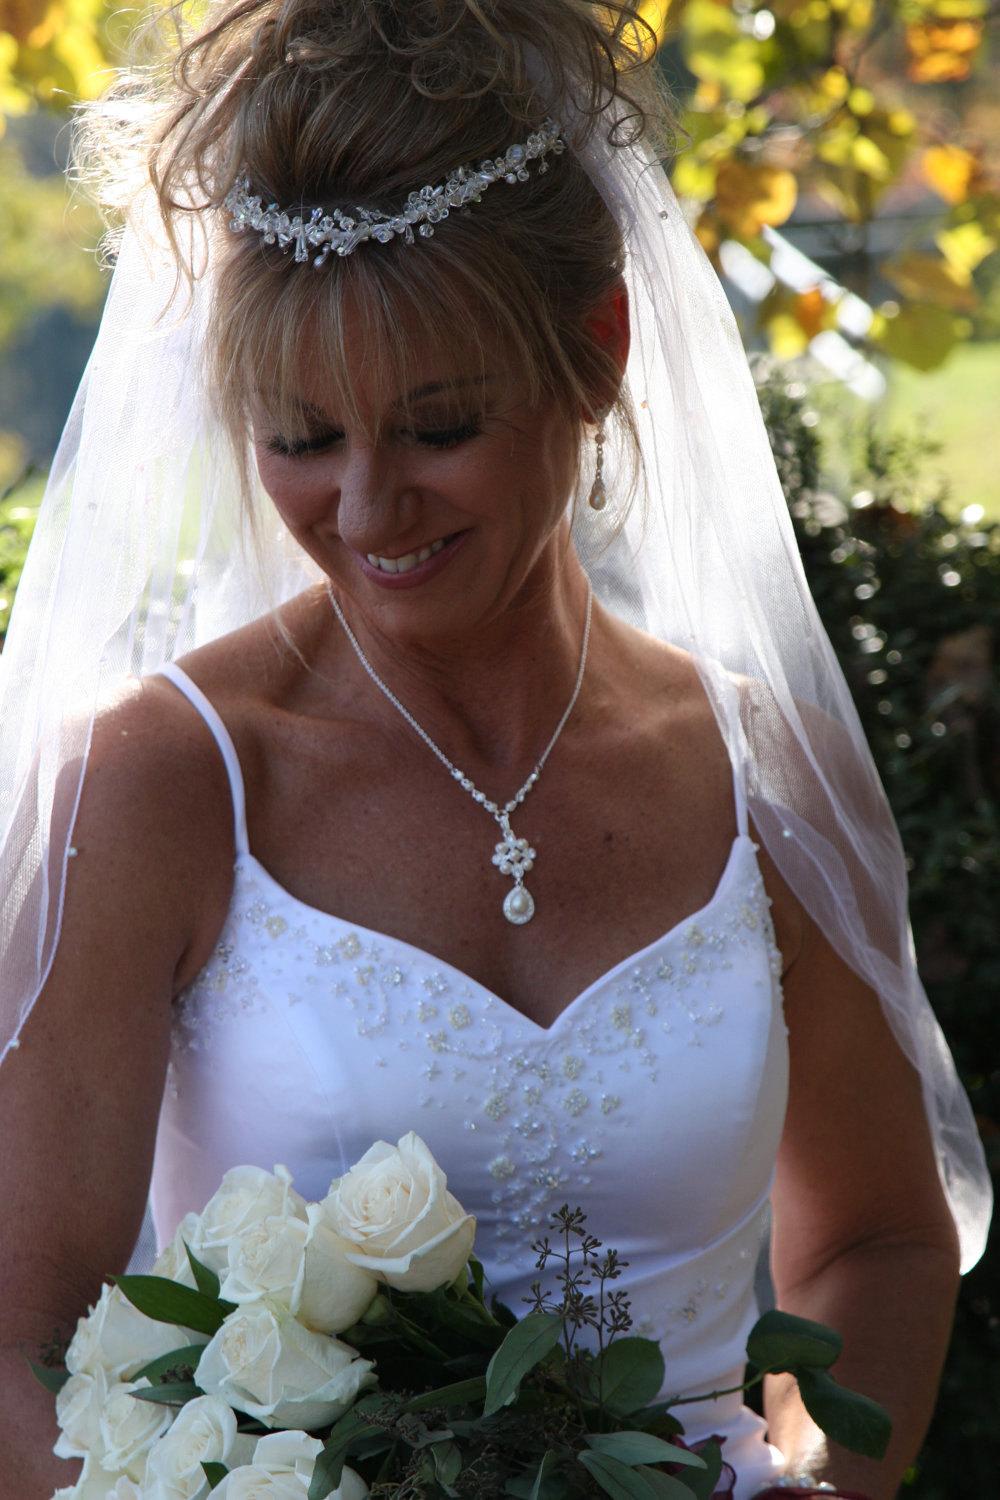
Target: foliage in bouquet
(298,1350)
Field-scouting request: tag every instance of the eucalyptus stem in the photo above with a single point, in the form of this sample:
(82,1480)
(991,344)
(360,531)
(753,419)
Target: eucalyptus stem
(714,1395)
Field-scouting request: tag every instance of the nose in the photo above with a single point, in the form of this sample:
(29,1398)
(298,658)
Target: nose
(376,502)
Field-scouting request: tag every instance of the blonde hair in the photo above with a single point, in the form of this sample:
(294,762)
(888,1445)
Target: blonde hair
(343,102)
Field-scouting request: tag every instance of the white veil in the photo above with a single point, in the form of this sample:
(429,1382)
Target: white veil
(137,558)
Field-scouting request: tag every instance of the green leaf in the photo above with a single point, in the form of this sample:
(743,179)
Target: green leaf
(478,1276)
(659,1419)
(53,1380)
(547,1463)
(459,1393)
(176,1393)
(781,1341)
(330,1463)
(852,1420)
(704,1481)
(627,1374)
(527,1343)
(215,1474)
(168,1302)
(205,1278)
(178,1359)
(447,1464)
(632,1447)
(624,1483)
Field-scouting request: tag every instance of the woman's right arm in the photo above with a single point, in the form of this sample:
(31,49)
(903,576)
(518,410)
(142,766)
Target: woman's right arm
(79,1098)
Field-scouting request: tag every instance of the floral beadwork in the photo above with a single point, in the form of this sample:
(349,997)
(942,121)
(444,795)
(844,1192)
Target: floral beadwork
(543,1103)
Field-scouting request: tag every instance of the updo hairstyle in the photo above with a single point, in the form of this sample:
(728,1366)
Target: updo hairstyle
(339,103)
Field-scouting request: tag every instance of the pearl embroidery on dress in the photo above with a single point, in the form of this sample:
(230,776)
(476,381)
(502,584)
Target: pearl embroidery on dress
(543,1098)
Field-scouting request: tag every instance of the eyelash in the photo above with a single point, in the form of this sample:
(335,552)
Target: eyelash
(438,438)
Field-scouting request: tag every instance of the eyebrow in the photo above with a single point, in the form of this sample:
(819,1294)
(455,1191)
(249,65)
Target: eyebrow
(434,388)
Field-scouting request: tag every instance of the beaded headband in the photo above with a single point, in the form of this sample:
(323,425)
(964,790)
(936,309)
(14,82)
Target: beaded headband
(343,233)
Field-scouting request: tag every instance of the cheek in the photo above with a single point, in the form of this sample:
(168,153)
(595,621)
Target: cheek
(298,492)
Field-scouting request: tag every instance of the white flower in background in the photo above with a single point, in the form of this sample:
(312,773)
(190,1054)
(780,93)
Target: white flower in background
(395,1208)
(245,1196)
(262,1361)
(203,1432)
(172,1262)
(129,1428)
(301,1265)
(117,1338)
(96,1483)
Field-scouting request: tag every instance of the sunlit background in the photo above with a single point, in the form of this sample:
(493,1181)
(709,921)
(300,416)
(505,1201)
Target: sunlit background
(840,162)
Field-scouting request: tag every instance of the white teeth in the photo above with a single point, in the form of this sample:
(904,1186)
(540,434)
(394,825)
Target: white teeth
(407,561)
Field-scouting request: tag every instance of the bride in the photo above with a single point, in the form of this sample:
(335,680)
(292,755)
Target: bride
(414,717)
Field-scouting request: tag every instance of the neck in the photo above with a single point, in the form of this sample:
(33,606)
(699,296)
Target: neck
(491,699)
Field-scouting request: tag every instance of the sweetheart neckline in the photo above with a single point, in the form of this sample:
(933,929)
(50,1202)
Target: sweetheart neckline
(740,839)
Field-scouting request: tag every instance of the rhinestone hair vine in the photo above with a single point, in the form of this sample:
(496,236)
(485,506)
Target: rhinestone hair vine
(342,233)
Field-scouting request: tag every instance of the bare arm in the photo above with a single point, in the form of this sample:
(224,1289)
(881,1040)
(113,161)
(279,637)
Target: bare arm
(863,1238)
(79,1099)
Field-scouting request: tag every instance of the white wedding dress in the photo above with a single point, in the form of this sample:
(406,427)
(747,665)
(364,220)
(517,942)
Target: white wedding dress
(655,1100)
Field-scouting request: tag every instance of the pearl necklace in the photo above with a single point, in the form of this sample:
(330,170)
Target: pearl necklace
(512,856)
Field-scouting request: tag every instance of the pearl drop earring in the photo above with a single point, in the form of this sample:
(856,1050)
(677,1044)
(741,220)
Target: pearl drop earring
(598,494)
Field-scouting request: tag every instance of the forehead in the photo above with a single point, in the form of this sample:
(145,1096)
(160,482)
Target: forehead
(365,356)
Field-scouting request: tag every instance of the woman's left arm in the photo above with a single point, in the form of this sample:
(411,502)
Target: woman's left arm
(862,1236)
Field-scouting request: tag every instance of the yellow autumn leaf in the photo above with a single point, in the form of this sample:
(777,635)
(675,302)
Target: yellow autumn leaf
(942,51)
(869,158)
(922,336)
(748,196)
(930,278)
(785,335)
(951,171)
(693,178)
(965,246)
(19,18)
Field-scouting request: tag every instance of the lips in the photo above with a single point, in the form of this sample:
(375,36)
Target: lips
(408,561)
(411,568)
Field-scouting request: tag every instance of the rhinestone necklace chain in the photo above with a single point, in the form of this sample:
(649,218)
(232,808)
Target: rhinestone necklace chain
(512,856)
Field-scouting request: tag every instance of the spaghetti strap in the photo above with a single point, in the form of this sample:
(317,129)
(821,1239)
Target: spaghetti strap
(198,701)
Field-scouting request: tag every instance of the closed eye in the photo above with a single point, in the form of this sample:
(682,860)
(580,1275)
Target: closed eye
(448,437)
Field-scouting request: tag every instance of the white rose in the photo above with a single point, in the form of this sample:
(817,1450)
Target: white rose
(301,1265)
(394,1206)
(172,1261)
(244,1197)
(117,1338)
(265,1363)
(96,1484)
(78,1412)
(254,1483)
(203,1432)
(296,1453)
(288,1453)
(129,1428)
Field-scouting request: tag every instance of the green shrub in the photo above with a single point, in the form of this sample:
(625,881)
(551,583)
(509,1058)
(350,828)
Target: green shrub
(912,604)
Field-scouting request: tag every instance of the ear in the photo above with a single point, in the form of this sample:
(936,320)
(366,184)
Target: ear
(609,324)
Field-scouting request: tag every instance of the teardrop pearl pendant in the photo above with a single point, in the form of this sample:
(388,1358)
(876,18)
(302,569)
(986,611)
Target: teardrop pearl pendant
(598,495)
(519,905)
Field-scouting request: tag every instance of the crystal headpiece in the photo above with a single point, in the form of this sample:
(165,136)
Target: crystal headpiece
(343,232)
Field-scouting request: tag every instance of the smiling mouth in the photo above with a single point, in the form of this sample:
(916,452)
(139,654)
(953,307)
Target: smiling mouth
(409,560)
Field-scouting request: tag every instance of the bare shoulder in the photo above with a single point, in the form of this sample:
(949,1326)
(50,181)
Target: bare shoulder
(681,707)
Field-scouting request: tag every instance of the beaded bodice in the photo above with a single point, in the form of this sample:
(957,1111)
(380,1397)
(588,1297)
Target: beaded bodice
(655,1100)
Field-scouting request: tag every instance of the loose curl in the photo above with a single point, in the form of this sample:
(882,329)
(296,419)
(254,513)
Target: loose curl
(341,102)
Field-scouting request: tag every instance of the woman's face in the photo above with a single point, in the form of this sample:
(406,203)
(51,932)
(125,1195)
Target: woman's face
(432,522)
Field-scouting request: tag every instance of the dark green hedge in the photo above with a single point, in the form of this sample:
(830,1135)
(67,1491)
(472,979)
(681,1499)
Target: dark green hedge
(912,604)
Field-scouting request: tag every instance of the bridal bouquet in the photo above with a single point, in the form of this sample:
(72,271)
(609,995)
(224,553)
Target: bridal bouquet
(285,1350)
